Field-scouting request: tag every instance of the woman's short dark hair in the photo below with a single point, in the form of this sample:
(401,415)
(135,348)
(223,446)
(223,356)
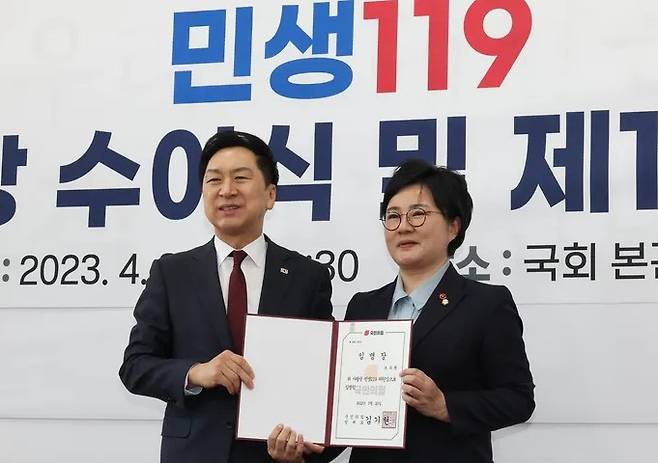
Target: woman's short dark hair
(230,138)
(448,190)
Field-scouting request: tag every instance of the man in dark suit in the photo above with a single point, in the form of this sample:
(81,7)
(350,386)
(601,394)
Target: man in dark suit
(186,346)
(469,372)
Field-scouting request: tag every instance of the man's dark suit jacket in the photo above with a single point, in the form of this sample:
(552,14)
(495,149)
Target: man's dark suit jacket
(473,350)
(181,320)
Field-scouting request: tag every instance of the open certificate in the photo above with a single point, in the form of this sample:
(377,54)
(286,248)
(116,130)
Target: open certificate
(336,383)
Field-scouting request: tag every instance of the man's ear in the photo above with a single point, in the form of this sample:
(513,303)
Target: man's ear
(271,196)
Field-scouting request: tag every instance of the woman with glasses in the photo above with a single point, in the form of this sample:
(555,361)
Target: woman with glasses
(469,373)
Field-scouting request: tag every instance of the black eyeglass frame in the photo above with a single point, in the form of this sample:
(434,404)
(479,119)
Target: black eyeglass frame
(424,214)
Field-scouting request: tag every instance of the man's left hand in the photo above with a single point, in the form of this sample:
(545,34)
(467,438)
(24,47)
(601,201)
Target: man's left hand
(422,393)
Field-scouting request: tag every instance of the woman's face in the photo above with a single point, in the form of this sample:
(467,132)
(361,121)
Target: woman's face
(424,247)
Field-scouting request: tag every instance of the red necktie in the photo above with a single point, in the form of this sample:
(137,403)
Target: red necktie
(237,302)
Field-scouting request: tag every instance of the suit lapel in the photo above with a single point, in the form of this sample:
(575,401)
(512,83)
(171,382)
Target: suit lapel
(275,280)
(452,286)
(380,305)
(210,293)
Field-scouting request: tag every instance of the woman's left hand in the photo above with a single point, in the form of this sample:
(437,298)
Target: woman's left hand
(422,393)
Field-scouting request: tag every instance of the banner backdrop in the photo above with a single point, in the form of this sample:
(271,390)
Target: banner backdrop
(550,117)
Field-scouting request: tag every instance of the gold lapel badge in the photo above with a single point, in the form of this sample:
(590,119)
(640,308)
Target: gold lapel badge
(444,299)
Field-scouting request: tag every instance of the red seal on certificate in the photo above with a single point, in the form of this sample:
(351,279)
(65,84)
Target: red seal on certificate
(389,420)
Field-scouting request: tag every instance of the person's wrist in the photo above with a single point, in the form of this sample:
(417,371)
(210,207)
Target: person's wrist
(441,410)
(442,415)
(193,375)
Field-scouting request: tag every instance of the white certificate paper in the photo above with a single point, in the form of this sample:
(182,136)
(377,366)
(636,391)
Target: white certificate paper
(368,409)
(290,358)
(337,383)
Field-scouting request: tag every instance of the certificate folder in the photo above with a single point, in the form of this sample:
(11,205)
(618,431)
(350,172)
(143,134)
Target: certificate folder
(336,383)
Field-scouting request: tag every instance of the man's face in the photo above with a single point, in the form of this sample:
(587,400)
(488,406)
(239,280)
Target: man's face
(423,247)
(235,196)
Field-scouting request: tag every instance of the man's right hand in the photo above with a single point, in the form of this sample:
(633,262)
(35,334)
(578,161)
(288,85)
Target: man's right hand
(286,446)
(227,369)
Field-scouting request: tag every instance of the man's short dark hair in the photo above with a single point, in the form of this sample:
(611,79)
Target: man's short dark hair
(448,189)
(230,138)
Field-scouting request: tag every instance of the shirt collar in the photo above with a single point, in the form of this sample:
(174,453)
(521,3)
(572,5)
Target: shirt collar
(420,295)
(398,292)
(256,250)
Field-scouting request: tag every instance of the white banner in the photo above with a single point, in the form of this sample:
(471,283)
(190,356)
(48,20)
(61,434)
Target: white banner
(551,118)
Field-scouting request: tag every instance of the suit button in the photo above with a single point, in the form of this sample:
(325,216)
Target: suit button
(229,424)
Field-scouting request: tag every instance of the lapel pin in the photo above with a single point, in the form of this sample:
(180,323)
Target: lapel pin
(444,299)
(284,270)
